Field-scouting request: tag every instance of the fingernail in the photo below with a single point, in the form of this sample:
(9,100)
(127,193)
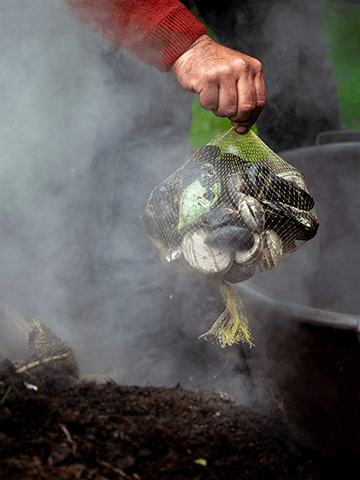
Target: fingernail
(241,129)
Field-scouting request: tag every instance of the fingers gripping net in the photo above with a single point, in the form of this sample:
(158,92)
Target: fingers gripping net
(233,210)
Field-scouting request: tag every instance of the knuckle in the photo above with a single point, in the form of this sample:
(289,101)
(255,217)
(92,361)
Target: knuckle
(241,116)
(248,107)
(258,66)
(249,65)
(208,102)
(243,65)
(228,111)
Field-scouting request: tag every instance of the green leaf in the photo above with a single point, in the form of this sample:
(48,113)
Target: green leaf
(195,203)
(6,394)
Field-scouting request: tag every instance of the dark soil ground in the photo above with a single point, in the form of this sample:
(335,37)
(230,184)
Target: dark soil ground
(68,429)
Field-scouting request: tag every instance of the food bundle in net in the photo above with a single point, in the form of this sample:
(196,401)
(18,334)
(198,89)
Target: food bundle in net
(234,209)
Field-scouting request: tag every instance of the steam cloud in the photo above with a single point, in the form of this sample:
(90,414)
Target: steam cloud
(81,151)
(86,132)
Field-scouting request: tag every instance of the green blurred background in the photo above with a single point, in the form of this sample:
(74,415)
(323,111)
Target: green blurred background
(341,28)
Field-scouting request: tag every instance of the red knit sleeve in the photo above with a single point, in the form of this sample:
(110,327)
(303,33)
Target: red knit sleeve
(156,31)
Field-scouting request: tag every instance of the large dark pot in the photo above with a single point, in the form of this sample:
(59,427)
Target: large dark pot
(306,314)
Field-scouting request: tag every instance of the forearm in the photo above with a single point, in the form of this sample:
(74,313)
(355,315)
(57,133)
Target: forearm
(156,31)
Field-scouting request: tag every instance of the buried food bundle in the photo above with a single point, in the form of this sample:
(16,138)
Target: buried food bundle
(234,209)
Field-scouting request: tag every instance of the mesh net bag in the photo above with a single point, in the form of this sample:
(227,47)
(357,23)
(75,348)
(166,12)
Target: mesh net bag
(233,210)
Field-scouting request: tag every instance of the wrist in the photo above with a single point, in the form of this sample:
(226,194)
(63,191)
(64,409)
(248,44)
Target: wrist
(199,43)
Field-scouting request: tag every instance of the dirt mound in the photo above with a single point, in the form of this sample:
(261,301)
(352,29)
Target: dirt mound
(54,427)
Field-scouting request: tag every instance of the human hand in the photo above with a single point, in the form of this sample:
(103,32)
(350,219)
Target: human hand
(229,83)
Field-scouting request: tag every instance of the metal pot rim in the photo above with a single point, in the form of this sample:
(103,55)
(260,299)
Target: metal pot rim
(301,313)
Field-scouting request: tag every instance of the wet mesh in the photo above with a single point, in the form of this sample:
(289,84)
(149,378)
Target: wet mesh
(233,210)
